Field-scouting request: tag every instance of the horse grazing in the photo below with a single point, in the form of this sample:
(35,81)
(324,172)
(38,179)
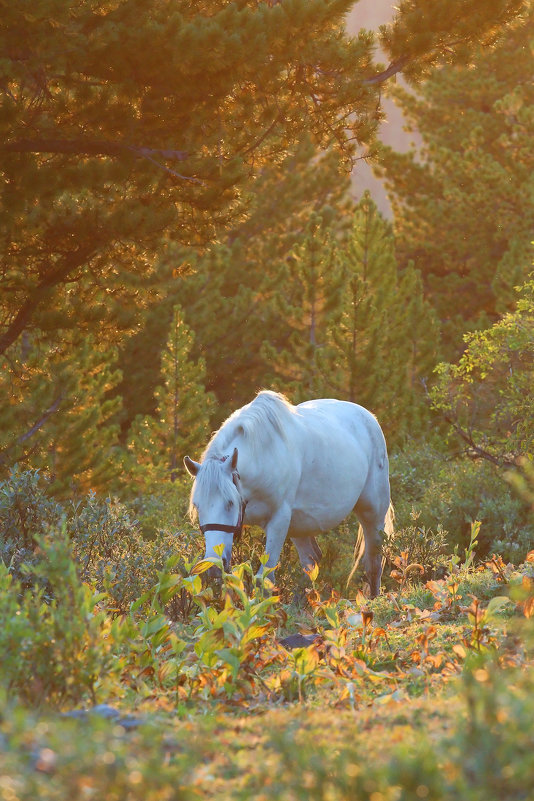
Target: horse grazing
(295,471)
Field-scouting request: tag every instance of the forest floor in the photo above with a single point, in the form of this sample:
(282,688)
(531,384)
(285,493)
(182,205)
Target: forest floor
(424,693)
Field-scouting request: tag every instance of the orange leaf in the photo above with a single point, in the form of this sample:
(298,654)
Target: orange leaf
(528,607)
(367,617)
(459,650)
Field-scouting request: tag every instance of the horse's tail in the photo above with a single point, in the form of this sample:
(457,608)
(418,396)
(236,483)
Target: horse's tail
(359,548)
(358,553)
(389,523)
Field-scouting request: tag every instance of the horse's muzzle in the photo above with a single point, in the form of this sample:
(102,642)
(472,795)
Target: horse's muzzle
(214,573)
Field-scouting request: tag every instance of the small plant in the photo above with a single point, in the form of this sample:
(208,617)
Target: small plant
(56,645)
(26,513)
(455,563)
(416,545)
(404,570)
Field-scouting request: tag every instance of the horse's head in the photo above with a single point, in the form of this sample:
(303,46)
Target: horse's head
(217,503)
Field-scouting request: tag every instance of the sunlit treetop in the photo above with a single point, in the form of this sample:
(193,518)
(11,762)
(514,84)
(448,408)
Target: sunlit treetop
(129,122)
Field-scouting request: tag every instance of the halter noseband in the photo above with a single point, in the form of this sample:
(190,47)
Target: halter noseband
(238,528)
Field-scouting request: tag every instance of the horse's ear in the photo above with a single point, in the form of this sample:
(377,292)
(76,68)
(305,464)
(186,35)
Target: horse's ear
(234,460)
(191,466)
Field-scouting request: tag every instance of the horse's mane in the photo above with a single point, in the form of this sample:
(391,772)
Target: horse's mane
(260,423)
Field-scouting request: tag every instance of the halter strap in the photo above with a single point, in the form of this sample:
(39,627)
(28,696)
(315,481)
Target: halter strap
(238,528)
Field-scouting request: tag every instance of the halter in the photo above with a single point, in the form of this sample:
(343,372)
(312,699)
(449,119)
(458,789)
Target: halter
(238,528)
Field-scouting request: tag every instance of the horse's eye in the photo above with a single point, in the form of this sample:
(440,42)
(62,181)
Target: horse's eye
(229,505)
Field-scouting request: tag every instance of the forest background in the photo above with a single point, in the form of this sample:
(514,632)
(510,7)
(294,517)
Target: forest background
(178,232)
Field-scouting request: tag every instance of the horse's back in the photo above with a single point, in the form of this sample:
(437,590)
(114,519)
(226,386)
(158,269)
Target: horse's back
(331,420)
(340,445)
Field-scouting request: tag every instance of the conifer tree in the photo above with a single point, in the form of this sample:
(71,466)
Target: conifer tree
(310,285)
(155,117)
(228,293)
(149,129)
(464,210)
(57,414)
(384,340)
(158,443)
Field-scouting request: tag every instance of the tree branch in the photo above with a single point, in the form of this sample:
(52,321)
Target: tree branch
(89,147)
(38,295)
(100,147)
(394,67)
(476,450)
(35,427)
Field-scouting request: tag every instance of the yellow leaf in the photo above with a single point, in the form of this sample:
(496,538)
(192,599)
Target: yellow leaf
(201,567)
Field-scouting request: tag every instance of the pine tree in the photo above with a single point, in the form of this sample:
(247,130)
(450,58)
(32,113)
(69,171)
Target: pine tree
(150,130)
(228,293)
(157,444)
(156,116)
(384,341)
(57,416)
(308,300)
(464,210)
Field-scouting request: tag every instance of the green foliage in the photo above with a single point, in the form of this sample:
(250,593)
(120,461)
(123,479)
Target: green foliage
(122,160)
(309,295)
(384,341)
(110,551)
(487,396)
(27,513)
(419,546)
(56,646)
(107,542)
(56,413)
(359,329)
(454,492)
(157,444)
(463,202)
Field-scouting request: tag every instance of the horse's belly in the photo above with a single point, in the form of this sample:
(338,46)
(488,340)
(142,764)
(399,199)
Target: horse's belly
(313,520)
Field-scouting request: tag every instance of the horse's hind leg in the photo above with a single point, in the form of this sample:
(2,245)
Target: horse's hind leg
(308,551)
(372,510)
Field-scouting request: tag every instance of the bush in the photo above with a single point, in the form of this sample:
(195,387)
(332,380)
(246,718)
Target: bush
(26,514)
(417,545)
(161,511)
(110,551)
(108,545)
(452,493)
(54,649)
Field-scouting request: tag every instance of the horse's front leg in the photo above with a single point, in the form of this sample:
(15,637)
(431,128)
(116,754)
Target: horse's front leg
(275,535)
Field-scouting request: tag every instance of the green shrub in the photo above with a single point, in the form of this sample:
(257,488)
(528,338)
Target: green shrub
(418,545)
(161,511)
(454,492)
(55,650)
(110,551)
(26,513)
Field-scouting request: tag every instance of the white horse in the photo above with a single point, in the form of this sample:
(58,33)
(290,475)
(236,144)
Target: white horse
(302,470)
